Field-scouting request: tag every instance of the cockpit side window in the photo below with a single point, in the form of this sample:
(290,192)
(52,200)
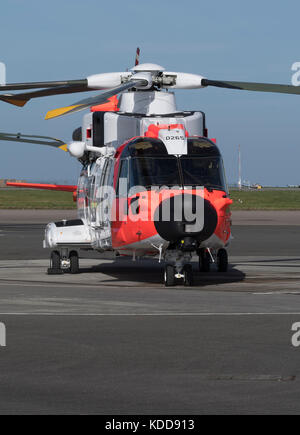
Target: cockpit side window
(123,179)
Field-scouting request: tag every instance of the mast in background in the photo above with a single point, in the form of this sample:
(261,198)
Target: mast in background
(240,169)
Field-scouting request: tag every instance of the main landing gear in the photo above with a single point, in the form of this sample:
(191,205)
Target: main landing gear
(63,262)
(204,260)
(222,261)
(207,257)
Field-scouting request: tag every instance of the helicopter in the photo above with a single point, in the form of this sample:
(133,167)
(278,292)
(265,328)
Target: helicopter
(152,181)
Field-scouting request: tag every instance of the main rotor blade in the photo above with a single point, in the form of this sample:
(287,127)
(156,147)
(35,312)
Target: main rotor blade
(38,85)
(23,98)
(249,86)
(39,140)
(94,101)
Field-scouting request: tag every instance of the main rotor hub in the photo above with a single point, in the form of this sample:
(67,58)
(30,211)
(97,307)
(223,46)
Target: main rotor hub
(148,67)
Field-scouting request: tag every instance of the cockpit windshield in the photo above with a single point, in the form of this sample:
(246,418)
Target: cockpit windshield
(154,171)
(177,171)
(203,171)
(146,162)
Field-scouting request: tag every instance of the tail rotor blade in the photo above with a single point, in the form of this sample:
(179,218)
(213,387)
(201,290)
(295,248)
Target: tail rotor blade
(137,57)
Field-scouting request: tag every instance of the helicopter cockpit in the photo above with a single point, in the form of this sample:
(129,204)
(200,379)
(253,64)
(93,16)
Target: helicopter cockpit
(146,162)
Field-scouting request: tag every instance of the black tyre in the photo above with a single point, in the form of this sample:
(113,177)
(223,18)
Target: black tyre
(188,275)
(169,277)
(204,261)
(55,260)
(74,262)
(222,261)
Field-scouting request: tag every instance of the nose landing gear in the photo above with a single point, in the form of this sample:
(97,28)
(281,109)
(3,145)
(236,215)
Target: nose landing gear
(171,276)
(188,275)
(178,265)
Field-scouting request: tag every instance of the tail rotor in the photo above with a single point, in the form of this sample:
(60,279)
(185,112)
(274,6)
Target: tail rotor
(137,57)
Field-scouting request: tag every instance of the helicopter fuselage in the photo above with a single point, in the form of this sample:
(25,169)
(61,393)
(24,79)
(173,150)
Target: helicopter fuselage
(156,186)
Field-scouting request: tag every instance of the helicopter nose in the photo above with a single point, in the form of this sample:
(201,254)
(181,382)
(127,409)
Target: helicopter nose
(173,229)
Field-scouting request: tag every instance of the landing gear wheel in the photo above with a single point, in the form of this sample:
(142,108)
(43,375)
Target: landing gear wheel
(222,260)
(55,260)
(55,267)
(204,261)
(74,262)
(169,277)
(188,276)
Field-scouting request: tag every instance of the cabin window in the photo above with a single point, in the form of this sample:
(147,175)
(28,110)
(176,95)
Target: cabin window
(82,192)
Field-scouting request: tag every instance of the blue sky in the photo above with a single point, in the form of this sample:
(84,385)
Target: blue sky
(234,40)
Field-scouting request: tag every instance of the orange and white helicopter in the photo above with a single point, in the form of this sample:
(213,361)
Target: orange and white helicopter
(152,182)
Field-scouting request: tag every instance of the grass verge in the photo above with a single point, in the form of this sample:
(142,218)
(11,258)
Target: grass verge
(36,199)
(244,200)
(266,200)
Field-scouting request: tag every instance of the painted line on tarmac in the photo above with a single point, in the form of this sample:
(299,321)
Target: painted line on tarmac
(129,286)
(283,292)
(76,285)
(148,314)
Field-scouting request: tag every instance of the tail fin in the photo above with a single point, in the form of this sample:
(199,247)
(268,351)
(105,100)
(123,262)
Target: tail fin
(137,57)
